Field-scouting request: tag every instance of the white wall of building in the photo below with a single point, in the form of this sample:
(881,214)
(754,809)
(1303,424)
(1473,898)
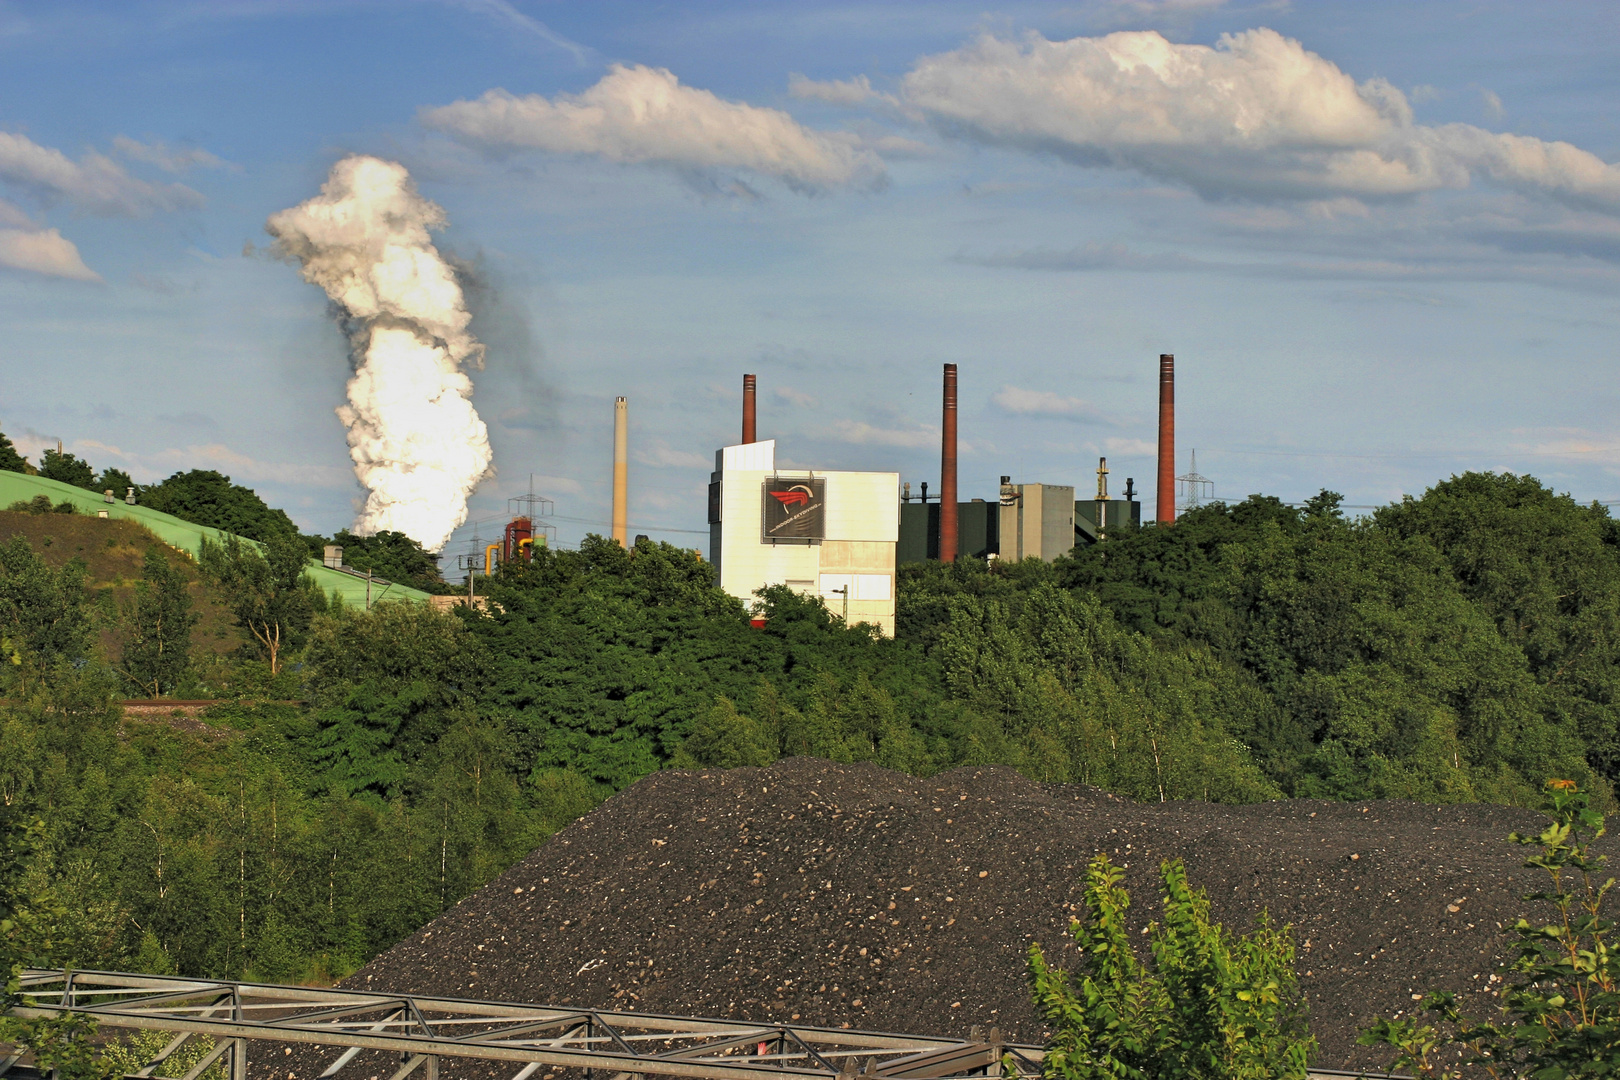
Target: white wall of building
(862,528)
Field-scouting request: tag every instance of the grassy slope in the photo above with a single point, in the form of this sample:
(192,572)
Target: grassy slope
(112,551)
(17,487)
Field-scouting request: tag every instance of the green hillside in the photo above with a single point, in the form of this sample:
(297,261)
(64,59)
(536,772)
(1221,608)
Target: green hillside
(1460,647)
(19,487)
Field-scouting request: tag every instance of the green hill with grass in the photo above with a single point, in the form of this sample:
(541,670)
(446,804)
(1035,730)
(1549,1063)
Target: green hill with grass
(18,487)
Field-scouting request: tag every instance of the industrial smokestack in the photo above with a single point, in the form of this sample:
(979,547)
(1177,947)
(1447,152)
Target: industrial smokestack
(947,471)
(1166,509)
(417,443)
(748,409)
(621,470)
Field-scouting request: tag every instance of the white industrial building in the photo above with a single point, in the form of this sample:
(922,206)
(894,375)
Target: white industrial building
(829,534)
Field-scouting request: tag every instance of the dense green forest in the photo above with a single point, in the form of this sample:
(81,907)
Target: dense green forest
(362,771)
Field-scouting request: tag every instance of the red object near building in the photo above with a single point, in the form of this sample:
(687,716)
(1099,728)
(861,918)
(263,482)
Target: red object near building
(519,540)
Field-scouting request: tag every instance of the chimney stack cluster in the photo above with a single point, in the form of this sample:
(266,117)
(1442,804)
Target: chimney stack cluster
(948,527)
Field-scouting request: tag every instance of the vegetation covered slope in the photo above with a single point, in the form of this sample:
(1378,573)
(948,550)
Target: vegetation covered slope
(1453,648)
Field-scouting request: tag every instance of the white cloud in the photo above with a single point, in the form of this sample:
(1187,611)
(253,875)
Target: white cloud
(859,431)
(563,485)
(1492,104)
(171,161)
(13,217)
(795,397)
(663,457)
(27,245)
(643,115)
(43,251)
(501,11)
(1140,12)
(851,92)
(95,183)
(1021,402)
(1256,116)
(1131,447)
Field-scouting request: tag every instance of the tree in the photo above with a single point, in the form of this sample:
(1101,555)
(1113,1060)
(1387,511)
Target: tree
(55,465)
(1211,1006)
(385,684)
(723,738)
(269,594)
(1546,571)
(391,555)
(43,619)
(10,460)
(205,497)
(116,481)
(158,624)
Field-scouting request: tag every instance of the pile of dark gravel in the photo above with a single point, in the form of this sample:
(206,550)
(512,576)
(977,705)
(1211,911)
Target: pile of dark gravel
(850,895)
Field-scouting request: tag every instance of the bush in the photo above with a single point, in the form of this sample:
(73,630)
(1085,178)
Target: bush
(41,504)
(1562,1010)
(1211,1007)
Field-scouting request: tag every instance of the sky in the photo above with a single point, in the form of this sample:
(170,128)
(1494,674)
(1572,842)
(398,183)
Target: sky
(1381,239)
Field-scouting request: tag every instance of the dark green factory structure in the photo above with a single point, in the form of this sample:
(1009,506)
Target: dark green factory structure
(979,522)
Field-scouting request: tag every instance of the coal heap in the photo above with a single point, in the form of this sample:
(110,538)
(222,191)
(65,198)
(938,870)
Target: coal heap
(850,895)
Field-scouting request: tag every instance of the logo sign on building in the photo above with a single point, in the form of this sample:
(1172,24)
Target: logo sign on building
(795,509)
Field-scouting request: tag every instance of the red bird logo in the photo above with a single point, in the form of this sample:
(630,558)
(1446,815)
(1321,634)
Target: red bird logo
(793,496)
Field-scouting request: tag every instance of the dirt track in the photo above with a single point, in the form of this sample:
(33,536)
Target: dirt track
(847,894)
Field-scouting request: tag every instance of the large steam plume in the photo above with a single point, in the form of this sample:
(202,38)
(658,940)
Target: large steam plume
(416,440)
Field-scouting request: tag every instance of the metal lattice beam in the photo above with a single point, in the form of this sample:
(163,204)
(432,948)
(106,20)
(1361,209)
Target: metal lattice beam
(426,1032)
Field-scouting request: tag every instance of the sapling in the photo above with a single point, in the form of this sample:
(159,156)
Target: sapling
(1560,1011)
(1212,1006)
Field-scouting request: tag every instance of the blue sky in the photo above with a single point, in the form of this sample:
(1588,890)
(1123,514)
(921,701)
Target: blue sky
(1382,239)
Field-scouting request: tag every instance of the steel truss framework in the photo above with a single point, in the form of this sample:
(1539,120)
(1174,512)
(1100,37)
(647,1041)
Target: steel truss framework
(427,1032)
(423,1032)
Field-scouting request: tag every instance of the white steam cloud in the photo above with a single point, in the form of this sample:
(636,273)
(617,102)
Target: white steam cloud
(416,440)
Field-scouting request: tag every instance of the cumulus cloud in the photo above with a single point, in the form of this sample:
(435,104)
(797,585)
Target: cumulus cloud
(643,115)
(1021,402)
(43,251)
(170,161)
(1255,116)
(95,184)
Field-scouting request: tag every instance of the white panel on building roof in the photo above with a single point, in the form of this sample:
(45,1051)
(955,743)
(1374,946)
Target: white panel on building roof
(760,456)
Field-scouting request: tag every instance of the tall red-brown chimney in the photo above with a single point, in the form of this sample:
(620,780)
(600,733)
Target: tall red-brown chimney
(1167,439)
(748,409)
(947,471)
